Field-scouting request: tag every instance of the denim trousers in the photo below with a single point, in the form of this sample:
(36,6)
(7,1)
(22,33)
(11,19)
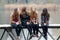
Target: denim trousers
(17,28)
(45,30)
(35,28)
(29,27)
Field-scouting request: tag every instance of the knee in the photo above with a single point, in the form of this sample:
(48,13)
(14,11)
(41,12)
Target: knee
(14,25)
(20,25)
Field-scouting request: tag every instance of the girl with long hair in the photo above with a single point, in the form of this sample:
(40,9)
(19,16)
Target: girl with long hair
(34,21)
(45,22)
(15,22)
(25,20)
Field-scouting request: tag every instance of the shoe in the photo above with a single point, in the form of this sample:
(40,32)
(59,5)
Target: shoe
(18,37)
(33,35)
(30,37)
(37,35)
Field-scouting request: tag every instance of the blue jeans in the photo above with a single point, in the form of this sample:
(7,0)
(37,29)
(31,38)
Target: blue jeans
(17,28)
(45,30)
(29,27)
(35,28)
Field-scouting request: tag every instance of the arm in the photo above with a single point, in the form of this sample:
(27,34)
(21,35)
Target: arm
(42,18)
(31,19)
(36,18)
(11,20)
(48,17)
(19,20)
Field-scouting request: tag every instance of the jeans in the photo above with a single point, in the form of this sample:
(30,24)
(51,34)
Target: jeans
(29,27)
(35,28)
(17,28)
(45,30)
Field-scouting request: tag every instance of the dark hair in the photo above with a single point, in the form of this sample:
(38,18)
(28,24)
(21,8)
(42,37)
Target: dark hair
(45,14)
(45,10)
(24,9)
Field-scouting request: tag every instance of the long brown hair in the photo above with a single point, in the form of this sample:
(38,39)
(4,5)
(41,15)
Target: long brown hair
(15,14)
(33,14)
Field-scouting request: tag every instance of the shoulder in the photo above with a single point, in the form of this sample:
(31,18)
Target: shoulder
(36,12)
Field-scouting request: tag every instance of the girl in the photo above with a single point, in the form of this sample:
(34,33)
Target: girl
(34,21)
(25,20)
(15,22)
(45,21)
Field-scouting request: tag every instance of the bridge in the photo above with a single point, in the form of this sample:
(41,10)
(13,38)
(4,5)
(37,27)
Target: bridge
(7,28)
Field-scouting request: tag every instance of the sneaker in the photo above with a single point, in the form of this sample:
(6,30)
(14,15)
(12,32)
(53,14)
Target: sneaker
(18,37)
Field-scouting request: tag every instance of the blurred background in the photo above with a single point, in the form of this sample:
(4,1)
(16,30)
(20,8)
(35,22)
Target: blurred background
(53,6)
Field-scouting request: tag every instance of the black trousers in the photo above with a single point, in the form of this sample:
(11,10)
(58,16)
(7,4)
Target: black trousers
(35,28)
(45,30)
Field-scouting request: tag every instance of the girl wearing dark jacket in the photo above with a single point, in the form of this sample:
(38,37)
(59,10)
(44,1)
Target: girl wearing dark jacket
(45,22)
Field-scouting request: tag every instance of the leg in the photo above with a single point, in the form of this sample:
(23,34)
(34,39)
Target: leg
(16,28)
(33,28)
(44,30)
(19,29)
(14,25)
(37,28)
(45,33)
(30,30)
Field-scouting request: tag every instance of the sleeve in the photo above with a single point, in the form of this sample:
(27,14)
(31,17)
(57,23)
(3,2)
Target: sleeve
(48,16)
(42,18)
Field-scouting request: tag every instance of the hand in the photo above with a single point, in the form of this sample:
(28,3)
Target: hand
(35,23)
(28,23)
(44,24)
(17,23)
